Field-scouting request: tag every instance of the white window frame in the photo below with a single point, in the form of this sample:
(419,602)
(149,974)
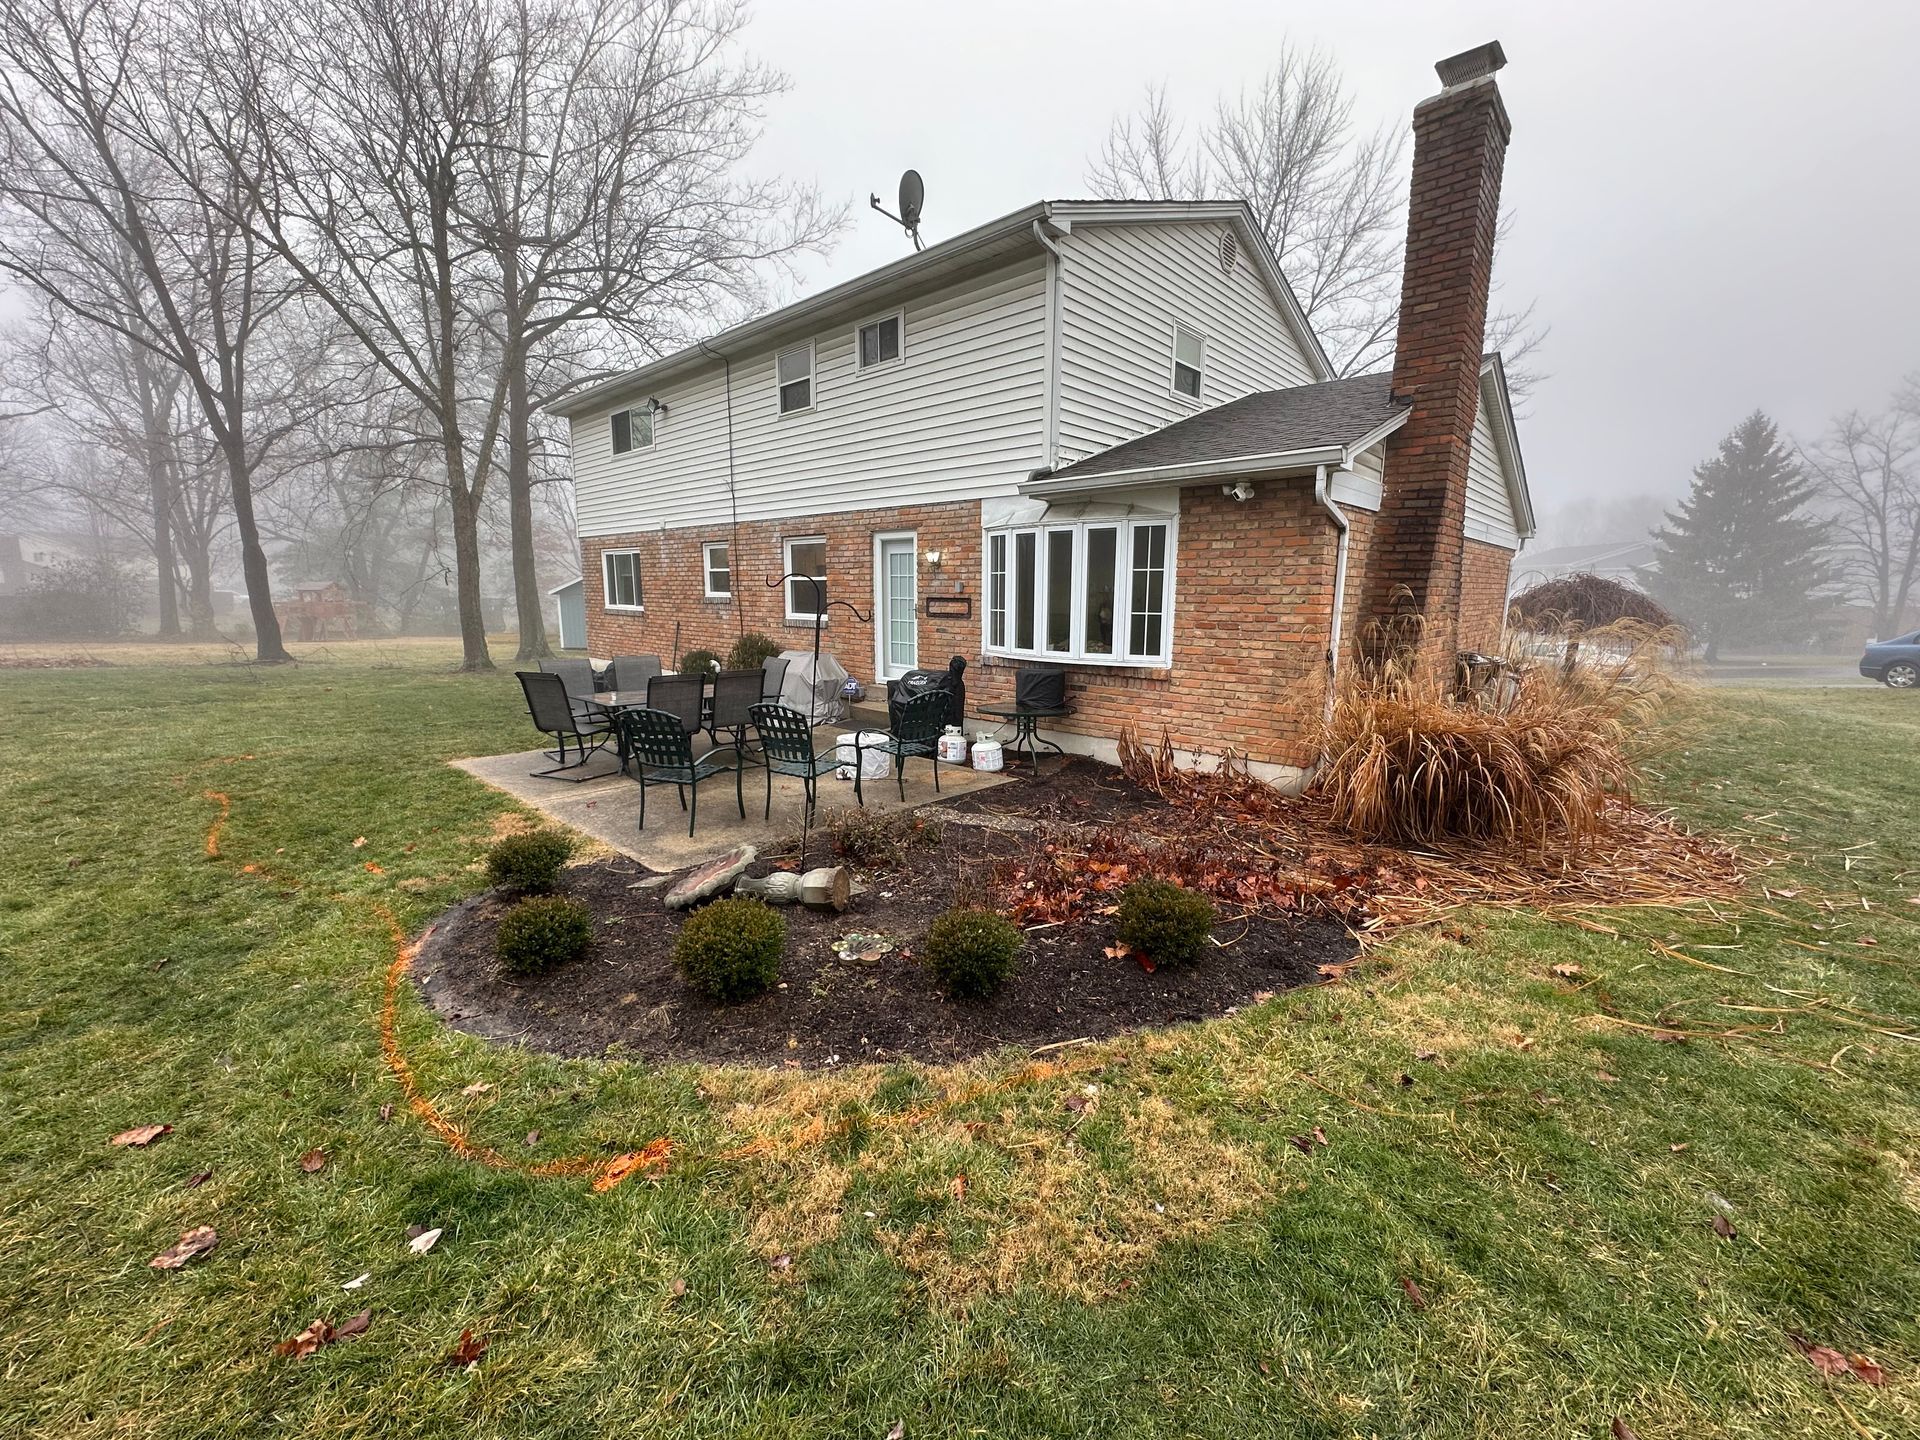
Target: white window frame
(813,380)
(607,601)
(630,412)
(787,567)
(1174,362)
(1076,652)
(899,317)
(707,568)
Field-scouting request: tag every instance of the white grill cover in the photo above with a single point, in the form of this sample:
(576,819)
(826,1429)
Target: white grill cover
(814,695)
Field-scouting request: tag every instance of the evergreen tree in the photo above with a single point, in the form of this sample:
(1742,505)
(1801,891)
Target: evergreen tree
(1738,559)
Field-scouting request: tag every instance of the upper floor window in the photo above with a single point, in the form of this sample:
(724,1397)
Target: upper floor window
(622,571)
(880,342)
(632,429)
(1091,590)
(716,560)
(807,580)
(795,369)
(1189,360)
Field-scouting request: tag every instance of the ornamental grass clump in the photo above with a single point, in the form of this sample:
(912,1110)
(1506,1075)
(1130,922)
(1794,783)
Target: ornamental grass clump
(1167,923)
(730,950)
(971,952)
(1534,759)
(529,864)
(542,932)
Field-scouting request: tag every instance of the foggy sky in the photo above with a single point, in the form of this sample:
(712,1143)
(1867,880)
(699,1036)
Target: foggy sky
(1716,206)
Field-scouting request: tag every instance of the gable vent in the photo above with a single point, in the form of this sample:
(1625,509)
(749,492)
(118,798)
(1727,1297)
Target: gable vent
(1229,252)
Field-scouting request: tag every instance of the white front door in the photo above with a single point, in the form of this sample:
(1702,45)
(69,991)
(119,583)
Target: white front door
(896,598)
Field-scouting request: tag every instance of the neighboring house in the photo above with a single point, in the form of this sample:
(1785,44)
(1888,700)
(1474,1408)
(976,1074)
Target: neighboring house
(1094,434)
(25,556)
(1626,561)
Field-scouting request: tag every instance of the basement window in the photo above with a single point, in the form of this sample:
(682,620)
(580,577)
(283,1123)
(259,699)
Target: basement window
(621,569)
(1093,591)
(795,372)
(632,429)
(1189,361)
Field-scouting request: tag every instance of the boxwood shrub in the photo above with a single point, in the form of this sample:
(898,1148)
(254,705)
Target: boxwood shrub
(730,950)
(971,952)
(541,932)
(1167,923)
(529,864)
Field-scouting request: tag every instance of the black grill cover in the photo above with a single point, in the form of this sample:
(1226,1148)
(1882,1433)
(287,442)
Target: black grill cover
(919,682)
(1040,687)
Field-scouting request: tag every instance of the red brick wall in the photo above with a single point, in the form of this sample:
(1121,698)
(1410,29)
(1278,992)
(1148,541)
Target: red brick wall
(1251,607)
(1460,139)
(1484,574)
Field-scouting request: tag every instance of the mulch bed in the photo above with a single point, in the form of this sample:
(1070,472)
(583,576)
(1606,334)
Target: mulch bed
(832,1009)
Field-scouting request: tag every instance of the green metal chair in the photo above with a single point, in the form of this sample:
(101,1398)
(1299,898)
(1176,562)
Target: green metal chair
(661,753)
(916,728)
(786,746)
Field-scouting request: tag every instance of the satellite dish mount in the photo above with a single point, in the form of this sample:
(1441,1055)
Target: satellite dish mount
(913,195)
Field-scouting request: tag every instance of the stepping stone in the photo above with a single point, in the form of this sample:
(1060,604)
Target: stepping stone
(704,881)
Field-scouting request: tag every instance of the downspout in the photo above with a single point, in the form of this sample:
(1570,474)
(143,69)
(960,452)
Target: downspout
(1325,499)
(1050,399)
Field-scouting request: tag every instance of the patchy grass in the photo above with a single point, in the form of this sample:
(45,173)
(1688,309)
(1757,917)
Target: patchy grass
(1121,1240)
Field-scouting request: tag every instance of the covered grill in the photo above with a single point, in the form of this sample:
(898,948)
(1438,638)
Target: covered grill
(920,682)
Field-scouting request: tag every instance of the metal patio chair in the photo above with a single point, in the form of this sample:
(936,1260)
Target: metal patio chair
(786,748)
(631,672)
(661,753)
(549,705)
(682,696)
(915,730)
(577,676)
(735,693)
(773,674)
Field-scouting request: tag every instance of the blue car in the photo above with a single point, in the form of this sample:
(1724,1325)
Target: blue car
(1893,662)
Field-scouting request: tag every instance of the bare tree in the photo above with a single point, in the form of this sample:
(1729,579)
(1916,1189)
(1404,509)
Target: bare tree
(103,168)
(1329,199)
(1868,470)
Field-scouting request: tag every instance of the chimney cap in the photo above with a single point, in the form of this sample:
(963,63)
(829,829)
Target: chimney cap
(1472,64)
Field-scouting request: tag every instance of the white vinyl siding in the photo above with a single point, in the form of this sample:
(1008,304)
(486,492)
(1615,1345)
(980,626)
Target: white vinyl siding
(1489,502)
(958,417)
(1363,486)
(1125,288)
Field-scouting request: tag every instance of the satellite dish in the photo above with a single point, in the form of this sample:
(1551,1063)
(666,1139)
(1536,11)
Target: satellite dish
(913,195)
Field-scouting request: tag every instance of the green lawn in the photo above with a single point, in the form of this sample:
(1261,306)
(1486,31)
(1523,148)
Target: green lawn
(1155,1258)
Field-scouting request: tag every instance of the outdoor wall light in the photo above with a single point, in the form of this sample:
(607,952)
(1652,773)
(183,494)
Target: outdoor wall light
(655,407)
(932,557)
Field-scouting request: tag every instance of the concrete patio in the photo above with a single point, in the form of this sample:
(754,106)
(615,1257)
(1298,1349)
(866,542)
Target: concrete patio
(607,805)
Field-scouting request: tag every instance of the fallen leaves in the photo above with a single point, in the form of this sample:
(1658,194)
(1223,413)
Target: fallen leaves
(1832,1363)
(197,1179)
(314,1161)
(479,1087)
(191,1245)
(1622,1431)
(467,1353)
(958,1188)
(141,1136)
(1414,1295)
(1305,1143)
(1723,1227)
(323,1332)
(1568,972)
(421,1243)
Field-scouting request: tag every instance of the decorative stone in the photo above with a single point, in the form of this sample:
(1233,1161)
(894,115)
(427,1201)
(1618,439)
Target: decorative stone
(780,888)
(829,888)
(705,881)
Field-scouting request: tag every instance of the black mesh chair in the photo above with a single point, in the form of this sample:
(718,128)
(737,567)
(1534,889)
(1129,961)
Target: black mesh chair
(679,695)
(773,674)
(661,753)
(916,727)
(735,693)
(631,672)
(786,748)
(548,704)
(577,676)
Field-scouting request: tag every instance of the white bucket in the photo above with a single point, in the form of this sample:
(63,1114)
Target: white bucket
(874,764)
(953,746)
(987,754)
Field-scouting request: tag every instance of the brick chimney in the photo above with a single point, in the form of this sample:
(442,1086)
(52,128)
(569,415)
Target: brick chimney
(1459,147)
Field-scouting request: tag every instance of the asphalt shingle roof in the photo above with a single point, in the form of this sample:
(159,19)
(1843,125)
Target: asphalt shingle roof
(1272,422)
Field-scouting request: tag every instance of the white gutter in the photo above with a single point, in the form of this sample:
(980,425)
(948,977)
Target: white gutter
(1050,400)
(1325,499)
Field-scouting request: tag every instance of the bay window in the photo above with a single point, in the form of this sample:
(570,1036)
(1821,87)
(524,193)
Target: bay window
(1085,590)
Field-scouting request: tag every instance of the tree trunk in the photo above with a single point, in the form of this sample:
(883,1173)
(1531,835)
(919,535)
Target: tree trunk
(267,646)
(160,489)
(466,572)
(526,585)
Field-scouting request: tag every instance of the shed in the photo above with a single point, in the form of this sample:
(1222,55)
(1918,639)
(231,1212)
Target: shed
(570,603)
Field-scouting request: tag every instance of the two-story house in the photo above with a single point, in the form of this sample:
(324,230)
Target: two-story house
(1094,434)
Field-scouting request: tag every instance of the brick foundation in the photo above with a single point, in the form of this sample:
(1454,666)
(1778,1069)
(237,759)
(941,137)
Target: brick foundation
(1253,584)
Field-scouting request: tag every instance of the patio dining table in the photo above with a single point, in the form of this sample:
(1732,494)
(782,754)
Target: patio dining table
(612,702)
